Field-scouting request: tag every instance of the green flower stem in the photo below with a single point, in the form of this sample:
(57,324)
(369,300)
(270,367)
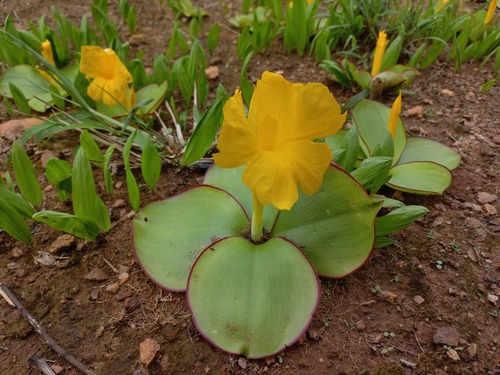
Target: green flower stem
(257,222)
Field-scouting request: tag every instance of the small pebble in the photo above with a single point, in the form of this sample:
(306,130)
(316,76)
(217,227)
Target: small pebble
(453,355)
(242,362)
(360,326)
(131,304)
(492,298)
(419,299)
(123,277)
(472,351)
(112,288)
(484,197)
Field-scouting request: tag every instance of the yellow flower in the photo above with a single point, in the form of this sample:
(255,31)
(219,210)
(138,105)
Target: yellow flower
(394,116)
(440,5)
(47,54)
(110,78)
(491,12)
(379,52)
(275,141)
(46,50)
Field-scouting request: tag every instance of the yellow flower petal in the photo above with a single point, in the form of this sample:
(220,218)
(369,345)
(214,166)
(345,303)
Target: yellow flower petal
(276,140)
(394,116)
(46,49)
(491,12)
(110,78)
(379,53)
(236,141)
(307,111)
(311,162)
(271,180)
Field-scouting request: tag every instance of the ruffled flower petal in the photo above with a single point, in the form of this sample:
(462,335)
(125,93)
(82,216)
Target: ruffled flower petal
(236,142)
(276,140)
(307,111)
(271,180)
(110,78)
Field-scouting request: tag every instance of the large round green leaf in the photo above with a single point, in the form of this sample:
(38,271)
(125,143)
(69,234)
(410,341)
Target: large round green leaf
(231,181)
(170,234)
(421,149)
(371,119)
(27,79)
(420,177)
(335,227)
(252,299)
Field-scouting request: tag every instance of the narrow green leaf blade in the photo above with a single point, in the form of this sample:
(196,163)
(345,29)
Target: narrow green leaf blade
(12,222)
(26,176)
(151,165)
(399,219)
(82,227)
(92,150)
(205,132)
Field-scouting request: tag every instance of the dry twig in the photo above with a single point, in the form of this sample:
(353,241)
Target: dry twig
(13,301)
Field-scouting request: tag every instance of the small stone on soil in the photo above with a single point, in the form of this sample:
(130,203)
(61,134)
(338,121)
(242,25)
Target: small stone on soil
(472,351)
(57,369)
(490,209)
(46,259)
(123,277)
(419,299)
(112,288)
(387,296)
(147,351)
(484,197)
(122,294)
(492,298)
(95,294)
(212,72)
(446,336)
(453,355)
(62,243)
(447,92)
(313,334)
(12,266)
(376,339)
(242,362)
(131,304)
(360,326)
(16,253)
(472,222)
(119,203)
(96,275)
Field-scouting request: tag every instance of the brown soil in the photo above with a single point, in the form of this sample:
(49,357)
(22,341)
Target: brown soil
(354,323)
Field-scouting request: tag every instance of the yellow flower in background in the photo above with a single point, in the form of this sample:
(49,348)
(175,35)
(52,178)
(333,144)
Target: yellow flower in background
(394,116)
(275,141)
(110,78)
(379,53)
(440,5)
(491,12)
(309,2)
(46,51)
